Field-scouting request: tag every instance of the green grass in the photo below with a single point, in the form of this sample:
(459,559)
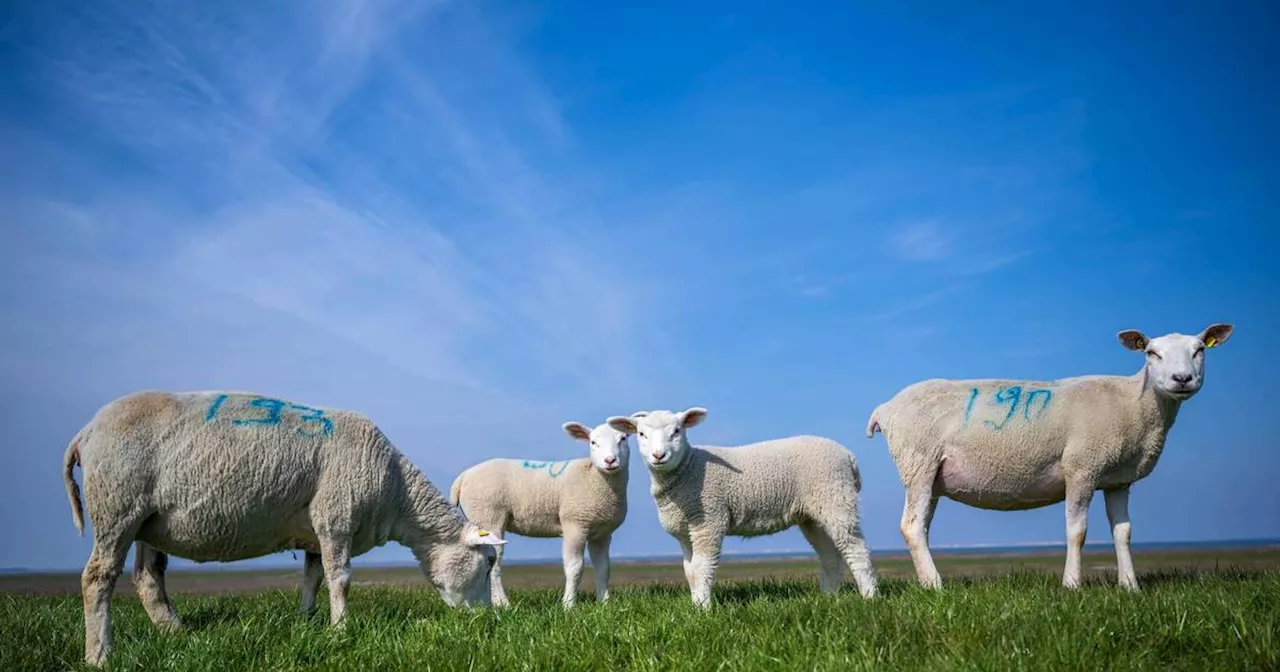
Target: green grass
(1023,620)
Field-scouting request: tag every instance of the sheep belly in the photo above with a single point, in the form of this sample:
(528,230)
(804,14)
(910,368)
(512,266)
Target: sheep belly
(1006,486)
(195,535)
(760,511)
(536,527)
(760,523)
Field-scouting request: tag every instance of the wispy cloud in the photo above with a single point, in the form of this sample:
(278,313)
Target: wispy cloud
(313,202)
(303,219)
(920,241)
(820,287)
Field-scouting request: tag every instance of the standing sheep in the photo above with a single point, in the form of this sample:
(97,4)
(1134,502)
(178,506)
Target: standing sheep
(223,476)
(705,493)
(1014,445)
(582,500)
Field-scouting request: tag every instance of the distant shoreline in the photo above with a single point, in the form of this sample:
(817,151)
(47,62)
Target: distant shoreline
(994,550)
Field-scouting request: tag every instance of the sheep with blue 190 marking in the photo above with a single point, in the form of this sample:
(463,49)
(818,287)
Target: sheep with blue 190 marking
(582,500)
(1015,444)
(223,476)
(705,493)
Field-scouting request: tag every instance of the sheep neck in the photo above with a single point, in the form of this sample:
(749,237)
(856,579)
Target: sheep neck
(1156,413)
(615,482)
(663,481)
(425,515)
(1153,405)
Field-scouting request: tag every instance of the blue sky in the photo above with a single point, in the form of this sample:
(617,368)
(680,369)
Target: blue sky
(477,220)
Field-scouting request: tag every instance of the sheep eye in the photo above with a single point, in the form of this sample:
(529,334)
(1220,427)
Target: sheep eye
(1153,353)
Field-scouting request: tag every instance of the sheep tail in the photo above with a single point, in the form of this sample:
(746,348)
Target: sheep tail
(455,491)
(873,423)
(69,462)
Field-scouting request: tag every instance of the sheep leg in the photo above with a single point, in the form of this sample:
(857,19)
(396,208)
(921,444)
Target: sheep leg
(575,542)
(498,594)
(831,565)
(1118,515)
(149,566)
(917,516)
(312,574)
(702,565)
(853,546)
(335,557)
(600,565)
(97,582)
(686,547)
(1078,498)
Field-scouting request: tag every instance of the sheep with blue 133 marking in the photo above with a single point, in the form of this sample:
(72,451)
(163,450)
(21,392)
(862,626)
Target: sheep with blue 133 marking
(1015,444)
(223,476)
(705,493)
(581,500)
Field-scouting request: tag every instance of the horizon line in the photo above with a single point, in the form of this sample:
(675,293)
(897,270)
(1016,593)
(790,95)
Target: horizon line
(235,566)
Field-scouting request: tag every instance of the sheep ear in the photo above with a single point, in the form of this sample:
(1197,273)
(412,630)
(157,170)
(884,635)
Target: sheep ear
(692,417)
(639,414)
(478,536)
(1216,335)
(577,430)
(1133,339)
(622,424)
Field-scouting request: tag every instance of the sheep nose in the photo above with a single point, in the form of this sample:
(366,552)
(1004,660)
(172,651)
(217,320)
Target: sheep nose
(659,456)
(611,461)
(1183,378)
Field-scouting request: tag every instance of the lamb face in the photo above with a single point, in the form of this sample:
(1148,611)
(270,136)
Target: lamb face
(460,570)
(610,452)
(1175,362)
(661,435)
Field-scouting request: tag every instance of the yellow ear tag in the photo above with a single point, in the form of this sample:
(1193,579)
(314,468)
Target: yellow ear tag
(482,533)
(1211,342)
(1141,343)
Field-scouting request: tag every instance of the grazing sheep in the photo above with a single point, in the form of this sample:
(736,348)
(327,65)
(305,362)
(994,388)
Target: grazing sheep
(223,476)
(705,493)
(582,500)
(1015,444)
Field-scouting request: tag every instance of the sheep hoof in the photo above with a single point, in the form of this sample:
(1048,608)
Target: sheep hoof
(169,625)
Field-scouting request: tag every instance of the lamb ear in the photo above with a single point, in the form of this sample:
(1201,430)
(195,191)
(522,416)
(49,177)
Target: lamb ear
(1216,335)
(577,430)
(1133,339)
(478,536)
(622,424)
(692,417)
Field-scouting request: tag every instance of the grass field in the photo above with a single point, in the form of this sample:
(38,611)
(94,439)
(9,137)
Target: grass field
(1209,609)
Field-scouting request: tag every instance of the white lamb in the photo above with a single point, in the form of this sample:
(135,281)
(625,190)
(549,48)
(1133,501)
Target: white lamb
(223,476)
(582,500)
(705,493)
(1017,444)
